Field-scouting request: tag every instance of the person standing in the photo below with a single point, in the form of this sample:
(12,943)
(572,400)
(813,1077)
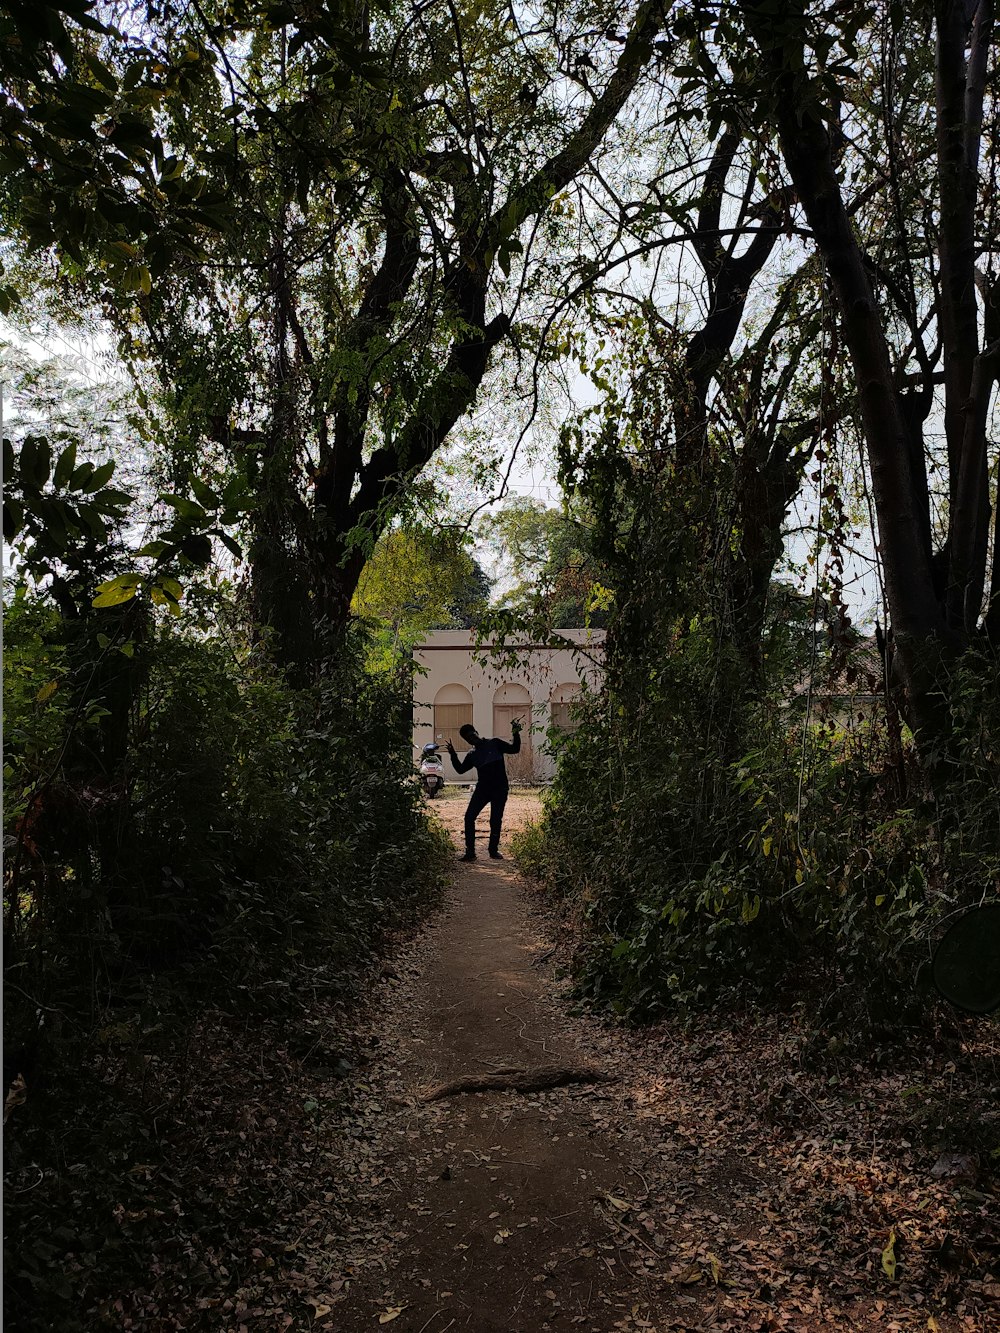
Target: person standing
(492,785)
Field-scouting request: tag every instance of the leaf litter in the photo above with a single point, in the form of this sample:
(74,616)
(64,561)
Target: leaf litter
(749,1188)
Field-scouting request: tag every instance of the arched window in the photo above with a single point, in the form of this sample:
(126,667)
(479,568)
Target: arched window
(515,695)
(452,710)
(561,702)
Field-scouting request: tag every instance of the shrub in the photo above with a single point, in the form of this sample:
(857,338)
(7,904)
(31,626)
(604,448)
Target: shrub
(251,834)
(795,866)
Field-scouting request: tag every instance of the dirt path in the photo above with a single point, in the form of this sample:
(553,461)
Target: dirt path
(283,1172)
(505,1210)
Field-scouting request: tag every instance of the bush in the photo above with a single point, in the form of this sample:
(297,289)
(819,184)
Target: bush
(251,836)
(185,833)
(701,879)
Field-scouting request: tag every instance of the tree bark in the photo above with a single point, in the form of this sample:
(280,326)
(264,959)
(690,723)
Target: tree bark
(960,88)
(919,626)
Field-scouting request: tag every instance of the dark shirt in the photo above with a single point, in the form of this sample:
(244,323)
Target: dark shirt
(487,759)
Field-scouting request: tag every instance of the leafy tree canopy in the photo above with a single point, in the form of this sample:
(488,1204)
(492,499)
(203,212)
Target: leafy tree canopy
(418,579)
(550,555)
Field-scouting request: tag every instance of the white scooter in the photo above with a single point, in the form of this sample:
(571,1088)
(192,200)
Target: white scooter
(431,769)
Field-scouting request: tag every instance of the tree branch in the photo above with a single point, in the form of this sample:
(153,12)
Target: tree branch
(565,165)
(351,402)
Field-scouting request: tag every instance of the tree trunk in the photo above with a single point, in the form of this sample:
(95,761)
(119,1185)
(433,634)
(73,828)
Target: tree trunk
(919,626)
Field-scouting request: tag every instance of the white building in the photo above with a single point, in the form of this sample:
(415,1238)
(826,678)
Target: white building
(459,681)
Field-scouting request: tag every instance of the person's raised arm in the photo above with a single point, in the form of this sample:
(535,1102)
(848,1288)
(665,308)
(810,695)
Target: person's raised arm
(460,765)
(514,744)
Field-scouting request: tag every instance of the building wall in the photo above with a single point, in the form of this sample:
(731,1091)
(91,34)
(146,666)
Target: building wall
(518,681)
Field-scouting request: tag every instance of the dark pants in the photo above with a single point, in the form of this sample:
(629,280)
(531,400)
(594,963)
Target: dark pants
(483,796)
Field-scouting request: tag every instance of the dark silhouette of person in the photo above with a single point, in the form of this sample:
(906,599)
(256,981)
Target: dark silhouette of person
(492,786)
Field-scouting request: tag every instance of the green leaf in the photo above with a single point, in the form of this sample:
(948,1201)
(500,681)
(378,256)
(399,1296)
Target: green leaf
(889,1258)
(174,591)
(234,496)
(134,73)
(91,102)
(110,495)
(100,71)
(510,246)
(92,518)
(54,516)
(204,493)
(10,299)
(114,598)
(154,549)
(103,473)
(120,581)
(233,547)
(13,519)
(750,908)
(65,467)
(197,548)
(185,508)
(36,461)
(118,590)
(81,476)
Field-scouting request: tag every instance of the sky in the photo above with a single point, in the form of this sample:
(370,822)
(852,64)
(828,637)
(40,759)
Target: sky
(531,474)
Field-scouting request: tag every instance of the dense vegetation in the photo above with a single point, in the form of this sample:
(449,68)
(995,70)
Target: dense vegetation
(340,255)
(185,832)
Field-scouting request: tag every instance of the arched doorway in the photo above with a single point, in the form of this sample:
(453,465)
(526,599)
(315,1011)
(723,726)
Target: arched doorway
(452,710)
(513,703)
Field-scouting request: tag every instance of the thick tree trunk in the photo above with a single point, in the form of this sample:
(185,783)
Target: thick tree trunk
(358,480)
(960,88)
(919,626)
(279,574)
(763,502)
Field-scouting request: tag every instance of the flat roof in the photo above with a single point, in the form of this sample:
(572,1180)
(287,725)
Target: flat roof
(463,640)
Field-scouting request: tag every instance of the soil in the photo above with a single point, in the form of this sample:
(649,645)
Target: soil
(506,1209)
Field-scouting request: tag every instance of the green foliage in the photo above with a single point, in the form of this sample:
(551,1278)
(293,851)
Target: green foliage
(52,502)
(34,698)
(246,847)
(700,881)
(85,165)
(185,542)
(62,520)
(286,817)
(550,554)
(717,844)
(420,578)
(297,221)
(247,831)
(181,827)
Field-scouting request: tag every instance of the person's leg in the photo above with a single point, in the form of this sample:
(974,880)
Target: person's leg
(497,806)
(477,803)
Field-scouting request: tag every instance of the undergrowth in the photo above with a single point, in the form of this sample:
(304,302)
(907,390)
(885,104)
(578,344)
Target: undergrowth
(240,847)
(809,867)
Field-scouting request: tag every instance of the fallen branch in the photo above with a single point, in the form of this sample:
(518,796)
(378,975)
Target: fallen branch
(519,1080)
